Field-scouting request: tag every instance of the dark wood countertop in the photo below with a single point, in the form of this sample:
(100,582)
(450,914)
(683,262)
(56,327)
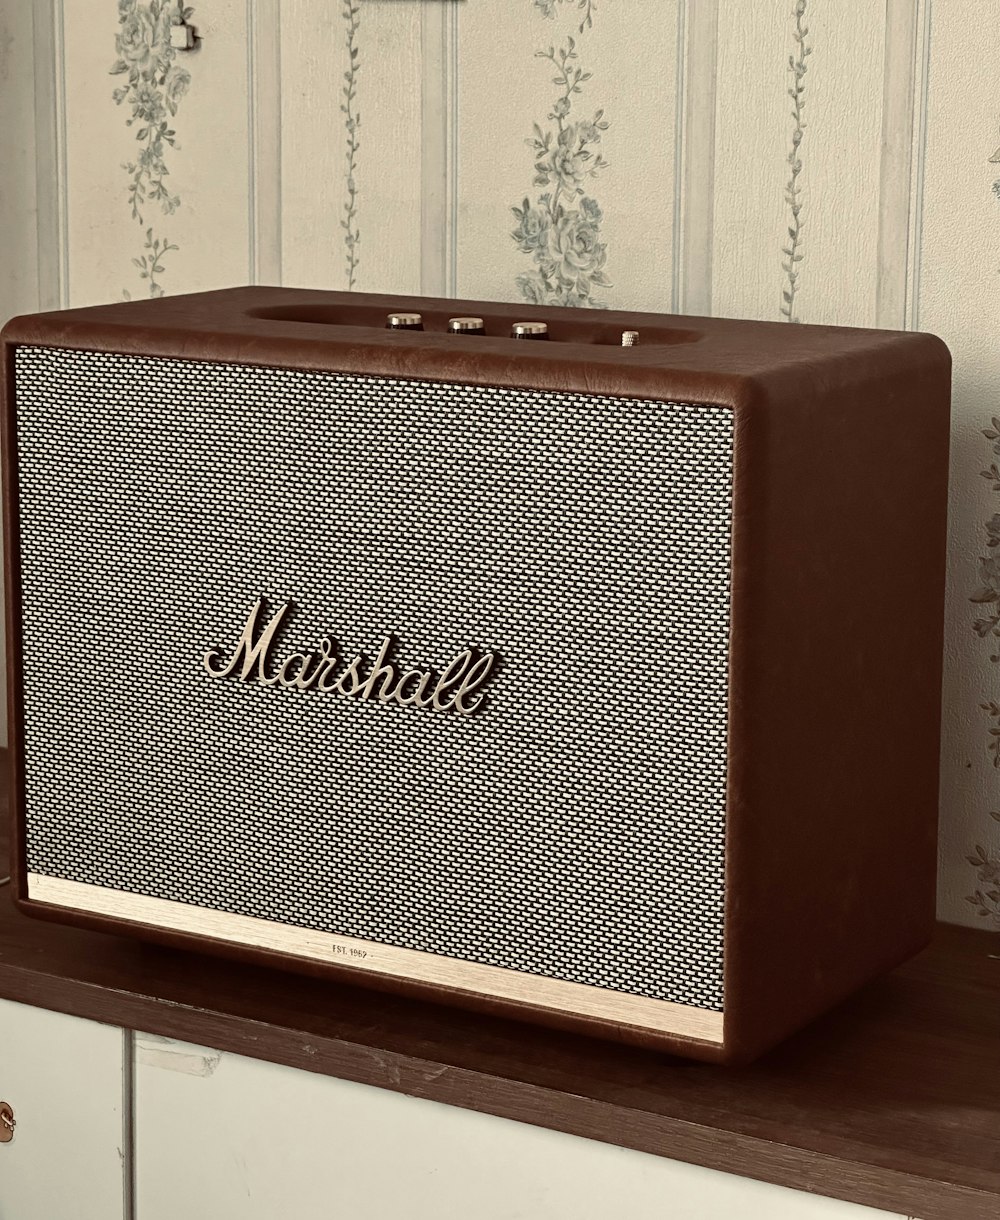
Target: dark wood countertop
(892,1101)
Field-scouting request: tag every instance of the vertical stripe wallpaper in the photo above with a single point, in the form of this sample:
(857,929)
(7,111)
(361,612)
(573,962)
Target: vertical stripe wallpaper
(797,160)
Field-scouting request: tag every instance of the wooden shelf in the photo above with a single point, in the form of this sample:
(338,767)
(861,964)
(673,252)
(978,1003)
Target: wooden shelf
(892,1101)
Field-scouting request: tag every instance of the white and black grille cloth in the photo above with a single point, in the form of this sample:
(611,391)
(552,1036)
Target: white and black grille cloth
(573,828)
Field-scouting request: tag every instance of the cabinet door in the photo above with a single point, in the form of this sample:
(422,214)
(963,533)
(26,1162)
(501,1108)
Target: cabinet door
(220,1135)
(63,1077)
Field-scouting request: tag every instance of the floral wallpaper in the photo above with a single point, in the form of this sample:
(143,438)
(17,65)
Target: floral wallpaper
(985,898)
(560,229)
(793,191)
(352,125)
(548,9)
(155,85)
(573,209)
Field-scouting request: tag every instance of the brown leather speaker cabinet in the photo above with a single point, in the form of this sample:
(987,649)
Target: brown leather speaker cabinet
(579,666)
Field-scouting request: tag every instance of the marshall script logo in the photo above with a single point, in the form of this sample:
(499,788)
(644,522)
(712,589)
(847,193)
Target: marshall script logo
(455,690)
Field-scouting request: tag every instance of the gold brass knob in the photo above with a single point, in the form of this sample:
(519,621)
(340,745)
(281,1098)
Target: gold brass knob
(7,1123)
(404,321)
(529,330)
(466,326)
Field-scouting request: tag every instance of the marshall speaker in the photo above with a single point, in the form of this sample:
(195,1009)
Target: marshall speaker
(578,666)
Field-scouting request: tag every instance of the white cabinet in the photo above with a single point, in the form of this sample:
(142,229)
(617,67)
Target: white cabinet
(64,1079)
(228,1138)
(223,1136)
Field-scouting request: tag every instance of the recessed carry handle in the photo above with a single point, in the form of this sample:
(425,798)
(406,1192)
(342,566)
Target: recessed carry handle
(497,323)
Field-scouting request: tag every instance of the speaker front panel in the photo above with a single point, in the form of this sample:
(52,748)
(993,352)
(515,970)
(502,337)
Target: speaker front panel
(563,844)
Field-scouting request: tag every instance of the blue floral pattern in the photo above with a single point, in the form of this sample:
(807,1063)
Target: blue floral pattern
(548,9)
(986,897)
(154,89)
(793,192)
(352,125)
(561,229)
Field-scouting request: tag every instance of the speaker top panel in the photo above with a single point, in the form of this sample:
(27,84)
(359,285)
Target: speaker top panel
(708,360)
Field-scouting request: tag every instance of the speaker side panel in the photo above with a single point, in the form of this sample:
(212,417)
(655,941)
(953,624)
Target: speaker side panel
(839,544)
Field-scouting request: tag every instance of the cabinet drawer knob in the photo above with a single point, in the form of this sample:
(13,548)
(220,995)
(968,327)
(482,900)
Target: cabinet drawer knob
(7,1123)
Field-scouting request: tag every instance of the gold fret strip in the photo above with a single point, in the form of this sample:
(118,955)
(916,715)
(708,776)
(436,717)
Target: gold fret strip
(660,1016)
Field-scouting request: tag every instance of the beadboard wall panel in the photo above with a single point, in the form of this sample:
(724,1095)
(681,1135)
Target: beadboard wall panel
(374,55)
(438,149)
(837,67)
(19,215)
(388,170)
(694,156)
(313,171)
(18,205)
(959,299)
(900,187)
(264,119)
